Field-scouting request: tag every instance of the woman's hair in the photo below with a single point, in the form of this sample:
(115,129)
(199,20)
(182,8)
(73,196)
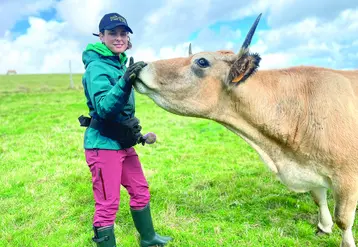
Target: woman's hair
(129,43)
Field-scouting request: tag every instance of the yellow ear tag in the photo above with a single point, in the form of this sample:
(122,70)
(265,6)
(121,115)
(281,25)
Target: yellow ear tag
(237,79)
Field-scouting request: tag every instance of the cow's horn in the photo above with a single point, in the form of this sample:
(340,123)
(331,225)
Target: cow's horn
(249,35)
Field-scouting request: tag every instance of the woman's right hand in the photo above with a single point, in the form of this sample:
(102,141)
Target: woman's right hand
(132,71)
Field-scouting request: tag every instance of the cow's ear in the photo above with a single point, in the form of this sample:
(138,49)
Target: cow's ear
(243,67)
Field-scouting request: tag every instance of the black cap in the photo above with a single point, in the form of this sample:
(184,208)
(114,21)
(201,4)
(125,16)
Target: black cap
(112,20)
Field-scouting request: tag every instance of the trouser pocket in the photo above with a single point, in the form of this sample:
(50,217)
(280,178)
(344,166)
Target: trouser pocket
(101,180)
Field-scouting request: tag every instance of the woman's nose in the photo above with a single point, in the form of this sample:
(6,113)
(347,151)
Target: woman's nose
(120,37)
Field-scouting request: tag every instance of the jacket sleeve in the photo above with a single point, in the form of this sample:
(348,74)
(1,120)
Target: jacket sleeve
(107,99)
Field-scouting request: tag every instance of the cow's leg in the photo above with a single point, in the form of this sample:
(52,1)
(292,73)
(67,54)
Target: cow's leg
(325,222)
(346,196)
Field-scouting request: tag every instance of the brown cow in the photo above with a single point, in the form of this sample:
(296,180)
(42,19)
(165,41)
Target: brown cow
(303,121)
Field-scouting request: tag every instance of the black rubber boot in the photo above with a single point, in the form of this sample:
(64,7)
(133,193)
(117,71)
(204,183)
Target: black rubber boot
(104,236)
(143,222)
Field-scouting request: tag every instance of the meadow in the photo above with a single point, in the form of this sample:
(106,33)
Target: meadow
(208,187)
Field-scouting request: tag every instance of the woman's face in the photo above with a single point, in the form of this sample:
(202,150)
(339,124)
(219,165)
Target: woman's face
(116,39)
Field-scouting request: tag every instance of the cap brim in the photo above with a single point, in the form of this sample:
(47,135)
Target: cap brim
(96,34)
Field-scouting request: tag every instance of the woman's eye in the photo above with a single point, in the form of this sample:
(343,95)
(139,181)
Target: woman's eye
(202,62)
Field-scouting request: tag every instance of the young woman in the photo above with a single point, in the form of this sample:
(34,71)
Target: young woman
(113,131)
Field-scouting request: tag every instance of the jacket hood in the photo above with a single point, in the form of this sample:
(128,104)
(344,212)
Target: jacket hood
(99,51)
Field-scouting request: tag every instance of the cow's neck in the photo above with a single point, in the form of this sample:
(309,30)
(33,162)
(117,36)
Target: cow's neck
(256,113)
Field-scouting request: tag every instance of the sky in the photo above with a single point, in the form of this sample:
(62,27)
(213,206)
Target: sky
(43,36)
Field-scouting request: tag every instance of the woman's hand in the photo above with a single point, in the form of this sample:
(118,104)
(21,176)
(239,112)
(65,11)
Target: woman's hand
(133,70)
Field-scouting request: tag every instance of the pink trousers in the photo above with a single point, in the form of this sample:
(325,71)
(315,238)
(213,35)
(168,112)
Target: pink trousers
(110,169)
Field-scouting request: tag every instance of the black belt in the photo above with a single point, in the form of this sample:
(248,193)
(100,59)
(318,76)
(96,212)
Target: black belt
(127,132)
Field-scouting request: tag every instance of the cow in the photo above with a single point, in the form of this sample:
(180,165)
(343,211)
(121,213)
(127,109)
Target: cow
(301,120)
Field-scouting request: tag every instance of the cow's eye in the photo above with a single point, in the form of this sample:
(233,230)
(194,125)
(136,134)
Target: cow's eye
(202,62)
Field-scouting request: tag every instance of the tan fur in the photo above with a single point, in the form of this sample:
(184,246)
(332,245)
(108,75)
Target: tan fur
(303,121)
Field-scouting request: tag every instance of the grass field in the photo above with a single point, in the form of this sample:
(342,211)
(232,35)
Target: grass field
(208,187)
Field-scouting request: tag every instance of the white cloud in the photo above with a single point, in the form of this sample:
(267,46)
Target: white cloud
(331,43)
(58,60)
(276,60)
(82,17)
(149,54)
(40,50)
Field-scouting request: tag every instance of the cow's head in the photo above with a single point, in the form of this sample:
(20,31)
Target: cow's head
(194,85)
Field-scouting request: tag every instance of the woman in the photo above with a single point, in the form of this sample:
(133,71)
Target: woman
(113,131)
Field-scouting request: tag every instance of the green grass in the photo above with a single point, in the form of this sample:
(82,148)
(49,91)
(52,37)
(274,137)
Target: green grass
(208,187)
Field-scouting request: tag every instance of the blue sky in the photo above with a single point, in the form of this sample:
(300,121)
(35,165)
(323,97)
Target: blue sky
(23,24)
(41,36)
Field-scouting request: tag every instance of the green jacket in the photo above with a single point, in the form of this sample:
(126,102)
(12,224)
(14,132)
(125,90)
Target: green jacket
(107,96)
